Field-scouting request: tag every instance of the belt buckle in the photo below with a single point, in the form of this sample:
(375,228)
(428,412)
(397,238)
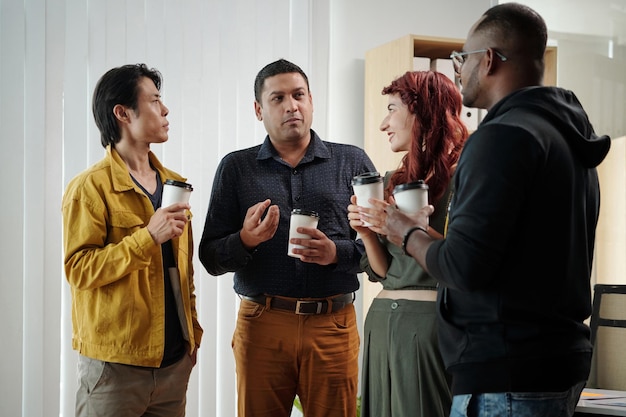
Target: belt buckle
(304,302)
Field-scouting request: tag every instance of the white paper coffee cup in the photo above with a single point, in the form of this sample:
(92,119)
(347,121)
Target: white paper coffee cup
(300,218)
(411,197)
(175,192)
(366,186)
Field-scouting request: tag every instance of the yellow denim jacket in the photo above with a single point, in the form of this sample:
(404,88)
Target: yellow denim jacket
(115,269)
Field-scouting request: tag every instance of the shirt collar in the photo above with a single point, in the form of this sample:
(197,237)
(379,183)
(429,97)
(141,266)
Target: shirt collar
(316,149)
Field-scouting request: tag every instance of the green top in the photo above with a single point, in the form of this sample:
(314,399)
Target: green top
(404,272)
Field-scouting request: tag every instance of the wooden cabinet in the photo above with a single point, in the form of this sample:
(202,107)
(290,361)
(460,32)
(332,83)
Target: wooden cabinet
(389,61)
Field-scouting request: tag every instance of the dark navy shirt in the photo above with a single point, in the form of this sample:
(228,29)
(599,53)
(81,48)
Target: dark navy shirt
(321,182)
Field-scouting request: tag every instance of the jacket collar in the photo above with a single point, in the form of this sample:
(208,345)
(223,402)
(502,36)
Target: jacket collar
(121,177)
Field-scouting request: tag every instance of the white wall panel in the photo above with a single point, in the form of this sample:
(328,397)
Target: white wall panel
(115,45)
(135,30)
(35,283)
(12,190)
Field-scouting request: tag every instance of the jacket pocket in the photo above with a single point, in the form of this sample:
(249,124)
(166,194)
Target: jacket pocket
(122,224)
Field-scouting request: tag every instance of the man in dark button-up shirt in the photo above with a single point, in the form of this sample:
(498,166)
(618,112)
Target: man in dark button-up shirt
(296,332)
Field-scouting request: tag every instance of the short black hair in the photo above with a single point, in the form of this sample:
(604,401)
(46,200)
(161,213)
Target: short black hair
(519,26)
(118,85)
(282,66)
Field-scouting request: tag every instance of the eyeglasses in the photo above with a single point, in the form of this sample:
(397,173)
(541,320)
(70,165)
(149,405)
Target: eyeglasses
(458,58)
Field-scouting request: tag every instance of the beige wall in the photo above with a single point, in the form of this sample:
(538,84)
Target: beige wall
(610,256)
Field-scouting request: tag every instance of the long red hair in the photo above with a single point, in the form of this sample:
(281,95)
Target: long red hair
(436,103)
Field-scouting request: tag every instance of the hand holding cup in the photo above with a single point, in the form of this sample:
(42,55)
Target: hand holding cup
(366,186)
(300,218)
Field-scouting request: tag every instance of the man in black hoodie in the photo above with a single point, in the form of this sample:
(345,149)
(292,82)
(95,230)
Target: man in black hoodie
(514,265)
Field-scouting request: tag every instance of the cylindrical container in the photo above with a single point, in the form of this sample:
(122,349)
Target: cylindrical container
(411,197)
(366,186)
(300,218)
(175,192)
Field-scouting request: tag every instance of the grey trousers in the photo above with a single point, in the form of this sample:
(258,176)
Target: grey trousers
(109,389)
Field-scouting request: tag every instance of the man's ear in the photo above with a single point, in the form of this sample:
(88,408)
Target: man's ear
(120,113)
(258,111)
(493,61)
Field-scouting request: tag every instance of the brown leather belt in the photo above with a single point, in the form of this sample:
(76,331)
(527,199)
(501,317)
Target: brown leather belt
(304,306)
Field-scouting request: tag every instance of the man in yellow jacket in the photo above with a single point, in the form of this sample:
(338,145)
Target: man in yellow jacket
(129,261)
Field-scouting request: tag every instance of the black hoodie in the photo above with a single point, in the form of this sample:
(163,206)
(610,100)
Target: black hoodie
(514,267)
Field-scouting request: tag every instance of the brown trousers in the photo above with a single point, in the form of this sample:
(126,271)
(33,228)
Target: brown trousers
(279,354)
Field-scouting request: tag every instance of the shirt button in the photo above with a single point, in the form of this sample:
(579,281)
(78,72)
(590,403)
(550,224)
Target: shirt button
(394,305)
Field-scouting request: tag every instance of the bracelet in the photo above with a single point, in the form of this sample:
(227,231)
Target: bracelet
(408,235)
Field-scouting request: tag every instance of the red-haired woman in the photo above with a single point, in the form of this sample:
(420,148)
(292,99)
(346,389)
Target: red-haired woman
(403,373)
